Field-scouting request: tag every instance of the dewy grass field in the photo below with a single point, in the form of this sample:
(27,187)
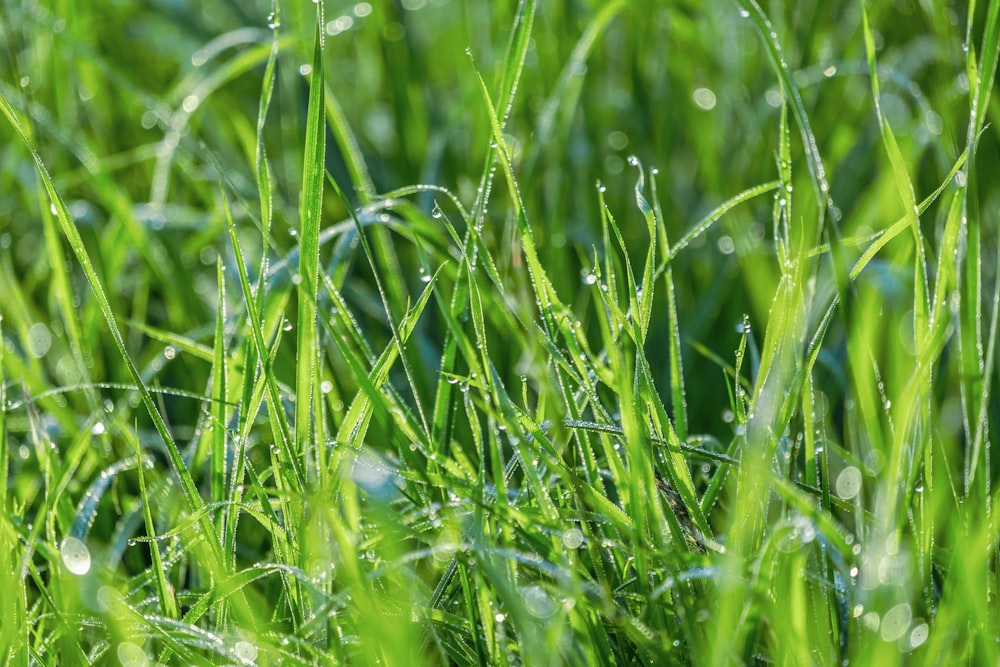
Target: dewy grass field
(494,333)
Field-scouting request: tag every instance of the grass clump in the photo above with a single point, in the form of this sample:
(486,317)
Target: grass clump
(321,346)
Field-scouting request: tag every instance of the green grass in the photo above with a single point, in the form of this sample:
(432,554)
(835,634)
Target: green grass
(471,333)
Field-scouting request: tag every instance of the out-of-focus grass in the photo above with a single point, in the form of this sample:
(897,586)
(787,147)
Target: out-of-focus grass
(493,333)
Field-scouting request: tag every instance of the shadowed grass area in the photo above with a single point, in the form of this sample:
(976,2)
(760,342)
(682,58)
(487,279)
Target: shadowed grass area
(438,332)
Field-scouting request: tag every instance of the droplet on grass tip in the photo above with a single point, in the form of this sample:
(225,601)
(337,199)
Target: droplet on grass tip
(75,556)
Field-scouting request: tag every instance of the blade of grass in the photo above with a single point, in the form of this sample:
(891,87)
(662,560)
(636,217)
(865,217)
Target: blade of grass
(308,424)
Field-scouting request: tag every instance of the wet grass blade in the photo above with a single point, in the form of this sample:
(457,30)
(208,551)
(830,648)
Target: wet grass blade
(307,427)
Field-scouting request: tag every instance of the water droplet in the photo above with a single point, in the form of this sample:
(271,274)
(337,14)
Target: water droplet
(75,556)
(245,651)
(744,13)
(538,602)
(849,483)
(704,98)
(273,20)
(326,387)
(896,622)
(572,538)
(919,635)
(132,655)
(633,161)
